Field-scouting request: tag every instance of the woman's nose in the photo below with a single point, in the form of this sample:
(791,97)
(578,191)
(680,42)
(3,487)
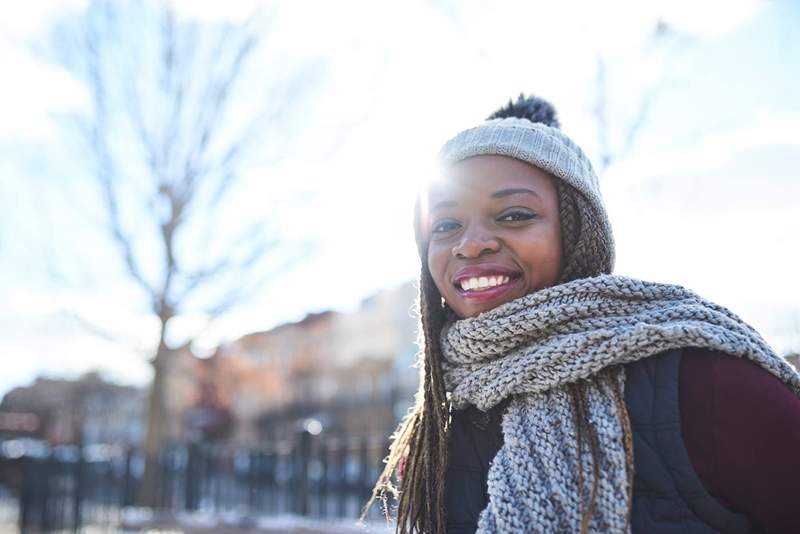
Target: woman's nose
(475,243)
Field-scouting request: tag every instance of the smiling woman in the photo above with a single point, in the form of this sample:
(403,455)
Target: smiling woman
(557,397)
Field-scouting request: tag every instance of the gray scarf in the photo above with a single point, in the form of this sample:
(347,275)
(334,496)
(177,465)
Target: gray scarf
(530,349)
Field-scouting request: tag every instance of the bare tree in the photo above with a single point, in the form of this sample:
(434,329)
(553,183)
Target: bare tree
(168,140)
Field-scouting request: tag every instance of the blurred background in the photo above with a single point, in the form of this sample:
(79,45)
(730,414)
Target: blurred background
(207,261)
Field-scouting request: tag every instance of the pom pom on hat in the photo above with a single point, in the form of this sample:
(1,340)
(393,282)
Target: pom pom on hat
(533,108)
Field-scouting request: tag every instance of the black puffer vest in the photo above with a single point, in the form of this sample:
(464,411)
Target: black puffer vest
(668,496)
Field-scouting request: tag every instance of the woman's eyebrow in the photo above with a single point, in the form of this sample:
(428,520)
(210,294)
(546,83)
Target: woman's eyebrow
(513,191)
(443,204)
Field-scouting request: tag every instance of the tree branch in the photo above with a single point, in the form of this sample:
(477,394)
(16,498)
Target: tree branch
(96,132)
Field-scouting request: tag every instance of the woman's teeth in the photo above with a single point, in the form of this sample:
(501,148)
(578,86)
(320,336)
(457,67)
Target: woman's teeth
(483,282)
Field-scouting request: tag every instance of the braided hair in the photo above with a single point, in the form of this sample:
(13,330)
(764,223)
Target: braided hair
(415,467)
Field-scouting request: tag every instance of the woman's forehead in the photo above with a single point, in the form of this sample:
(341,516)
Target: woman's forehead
(490,177)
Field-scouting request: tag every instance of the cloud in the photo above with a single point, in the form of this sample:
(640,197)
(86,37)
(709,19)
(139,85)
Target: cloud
(711,17)
(719,216)
(214,10)
(34,91)
(767,128)
(25,19)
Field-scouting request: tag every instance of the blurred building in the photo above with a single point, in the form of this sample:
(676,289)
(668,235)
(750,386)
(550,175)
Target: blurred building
(344,373)
(350,373)
(88,408)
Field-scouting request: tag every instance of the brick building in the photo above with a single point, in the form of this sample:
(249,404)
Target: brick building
(351,372)
(88,409)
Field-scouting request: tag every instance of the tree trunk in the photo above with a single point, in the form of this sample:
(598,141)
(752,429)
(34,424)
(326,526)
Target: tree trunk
(149,489)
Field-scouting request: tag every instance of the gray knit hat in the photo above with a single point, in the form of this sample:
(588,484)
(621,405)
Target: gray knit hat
(549,149)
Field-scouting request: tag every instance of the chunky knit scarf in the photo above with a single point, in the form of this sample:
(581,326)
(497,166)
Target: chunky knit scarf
(532,348)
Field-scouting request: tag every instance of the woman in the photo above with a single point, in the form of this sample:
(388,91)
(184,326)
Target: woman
(556,397)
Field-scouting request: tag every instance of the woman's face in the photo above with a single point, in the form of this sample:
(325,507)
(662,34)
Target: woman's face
(493,230)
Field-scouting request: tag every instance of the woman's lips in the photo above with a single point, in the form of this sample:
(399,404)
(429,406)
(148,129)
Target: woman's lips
(488,293)
(482,283)
(478,283)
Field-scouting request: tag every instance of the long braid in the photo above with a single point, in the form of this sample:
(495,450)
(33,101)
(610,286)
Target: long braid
(419,447)
(627,436)
(421,506)
(437,405)
(578,420)
(580,416)
(582,257)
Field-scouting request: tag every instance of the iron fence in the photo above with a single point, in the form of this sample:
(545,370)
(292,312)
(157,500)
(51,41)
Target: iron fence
(66,488)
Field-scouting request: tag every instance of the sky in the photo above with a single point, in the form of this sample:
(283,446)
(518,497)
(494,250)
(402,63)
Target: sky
(704,196)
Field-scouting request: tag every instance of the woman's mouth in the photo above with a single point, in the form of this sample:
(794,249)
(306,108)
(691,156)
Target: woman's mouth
(482,283)
(479,284)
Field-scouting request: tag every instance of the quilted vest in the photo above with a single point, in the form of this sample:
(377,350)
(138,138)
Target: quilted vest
(668,496)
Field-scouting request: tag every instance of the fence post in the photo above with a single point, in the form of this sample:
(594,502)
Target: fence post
(364,471)
(193,463)
(42,478)
(300,473)
(109,490)
(165,479)
(128,480)
(77,503)
(28,486)
(322,491)
(271,479)
(342,482)
(254,468)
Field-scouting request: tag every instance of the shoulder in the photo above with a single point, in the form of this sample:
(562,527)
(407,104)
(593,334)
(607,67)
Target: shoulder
(736,380)
(741,430)
(724,397)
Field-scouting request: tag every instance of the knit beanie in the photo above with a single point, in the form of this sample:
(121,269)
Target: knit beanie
(528,131)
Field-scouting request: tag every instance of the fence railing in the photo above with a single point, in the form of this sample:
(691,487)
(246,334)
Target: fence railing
(67,488)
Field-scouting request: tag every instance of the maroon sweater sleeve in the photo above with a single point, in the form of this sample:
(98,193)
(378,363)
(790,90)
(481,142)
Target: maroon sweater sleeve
(741,429)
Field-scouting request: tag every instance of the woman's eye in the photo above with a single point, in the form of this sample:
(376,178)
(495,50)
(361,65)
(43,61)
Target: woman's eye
(514,216)
(442,227)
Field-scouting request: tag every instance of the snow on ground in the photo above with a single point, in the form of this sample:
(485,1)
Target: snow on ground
(204,523)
